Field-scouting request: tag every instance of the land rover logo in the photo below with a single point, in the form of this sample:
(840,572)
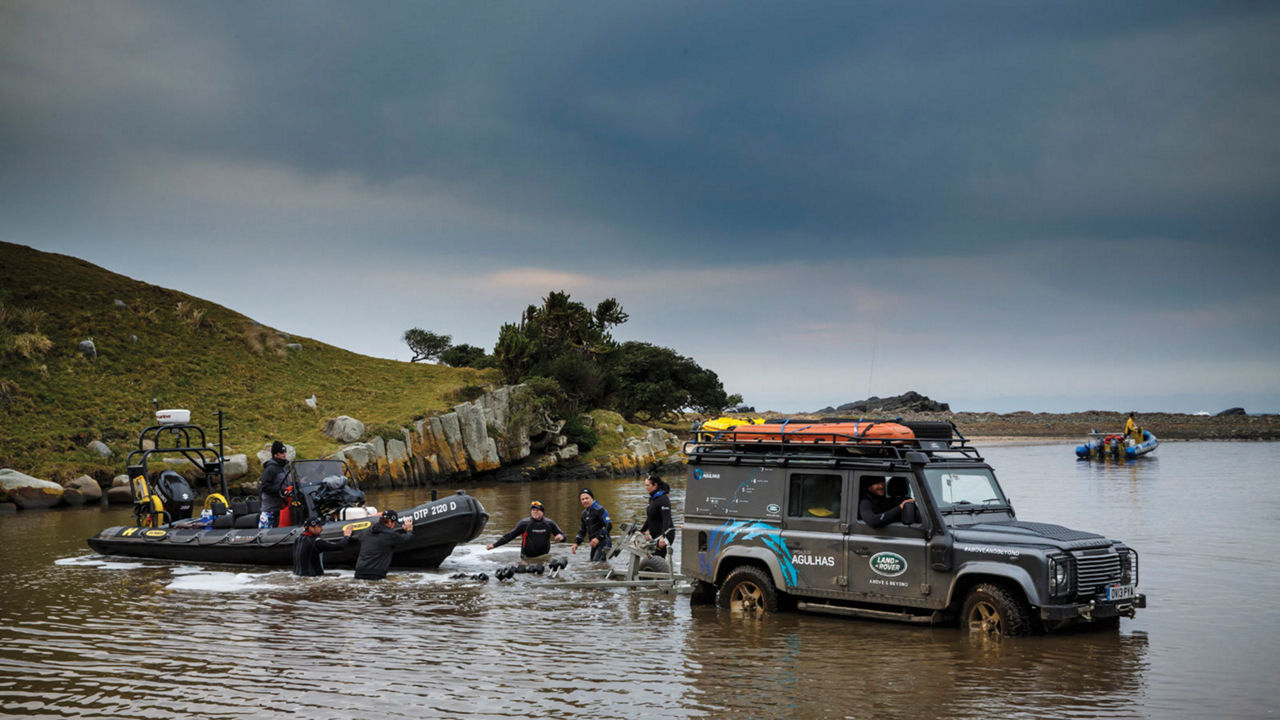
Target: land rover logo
(888,564)
(773,508)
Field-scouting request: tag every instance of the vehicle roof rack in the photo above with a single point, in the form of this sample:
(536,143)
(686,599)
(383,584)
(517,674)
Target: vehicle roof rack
(751,447)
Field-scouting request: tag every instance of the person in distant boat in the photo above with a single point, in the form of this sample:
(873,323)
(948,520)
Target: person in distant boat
(307,558)
(377,546)
(594,528)
(1131,429)
(657,516)
(271,485)
(878,510)
(536,532)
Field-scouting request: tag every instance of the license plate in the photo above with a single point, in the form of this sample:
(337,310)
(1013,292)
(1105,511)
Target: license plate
(1120,592)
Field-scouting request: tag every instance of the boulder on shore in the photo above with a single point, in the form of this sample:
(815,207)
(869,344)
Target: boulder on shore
(86,486)
(343,429)
(27,492)
(120,495)
(1232,411)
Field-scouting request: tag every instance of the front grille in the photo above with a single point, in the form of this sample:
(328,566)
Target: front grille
(1096,571)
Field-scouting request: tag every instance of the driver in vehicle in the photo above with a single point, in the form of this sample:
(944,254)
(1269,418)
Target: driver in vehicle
(876,508)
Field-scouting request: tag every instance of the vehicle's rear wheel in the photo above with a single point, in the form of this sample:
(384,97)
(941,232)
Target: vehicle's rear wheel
(990,609)
(749,589)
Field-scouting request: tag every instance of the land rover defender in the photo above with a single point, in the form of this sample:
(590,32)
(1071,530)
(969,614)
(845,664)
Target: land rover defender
(771,520)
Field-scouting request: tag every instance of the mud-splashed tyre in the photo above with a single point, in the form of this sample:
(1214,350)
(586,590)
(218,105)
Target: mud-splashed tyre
(990,609)
(748,589)
(654,564)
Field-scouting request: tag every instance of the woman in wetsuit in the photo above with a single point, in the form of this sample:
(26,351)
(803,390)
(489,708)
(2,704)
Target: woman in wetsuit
(657,517)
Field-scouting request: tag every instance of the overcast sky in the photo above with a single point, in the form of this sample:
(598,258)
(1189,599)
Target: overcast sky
(1004,206)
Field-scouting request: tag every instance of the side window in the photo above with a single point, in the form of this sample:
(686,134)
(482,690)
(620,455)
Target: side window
(813,496)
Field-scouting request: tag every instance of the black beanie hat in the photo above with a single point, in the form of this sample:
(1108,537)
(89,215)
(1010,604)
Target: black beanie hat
(277,447)
(585,491)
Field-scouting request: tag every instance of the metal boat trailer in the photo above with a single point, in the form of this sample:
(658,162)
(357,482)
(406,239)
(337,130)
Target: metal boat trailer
(641,570)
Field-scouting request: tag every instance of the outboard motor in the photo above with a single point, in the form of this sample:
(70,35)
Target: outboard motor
(176,495)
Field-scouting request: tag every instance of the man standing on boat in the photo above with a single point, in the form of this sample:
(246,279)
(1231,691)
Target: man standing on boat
(377,546)
(1131,429)
(536,534)
(307,558)
(271,485)
(594,528)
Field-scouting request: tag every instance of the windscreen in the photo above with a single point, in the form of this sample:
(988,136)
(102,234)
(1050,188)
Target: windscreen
(964,487)
(317,470)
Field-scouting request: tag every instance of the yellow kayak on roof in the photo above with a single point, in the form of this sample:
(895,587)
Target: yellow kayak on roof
(723,423)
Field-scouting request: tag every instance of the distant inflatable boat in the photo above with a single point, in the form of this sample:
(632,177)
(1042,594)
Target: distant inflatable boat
(1102,446)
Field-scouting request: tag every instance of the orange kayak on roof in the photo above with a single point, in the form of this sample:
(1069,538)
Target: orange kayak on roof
(819,432)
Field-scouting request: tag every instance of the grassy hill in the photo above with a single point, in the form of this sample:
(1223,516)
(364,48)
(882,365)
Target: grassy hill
(187,353)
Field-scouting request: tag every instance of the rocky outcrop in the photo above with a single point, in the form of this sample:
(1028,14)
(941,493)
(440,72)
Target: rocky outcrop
(491,437)
(28,493)
(1232,411)
(910,401)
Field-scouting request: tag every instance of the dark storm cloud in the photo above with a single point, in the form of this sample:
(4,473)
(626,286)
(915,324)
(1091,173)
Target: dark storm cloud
(850,128)
(1035,189)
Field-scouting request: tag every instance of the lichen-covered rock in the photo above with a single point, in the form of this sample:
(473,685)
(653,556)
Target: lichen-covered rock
(453,441)
(482,452)
(72,497)
(27,492)
(87,487)
(120,481)
(343,429)
(100,448)
(88,349)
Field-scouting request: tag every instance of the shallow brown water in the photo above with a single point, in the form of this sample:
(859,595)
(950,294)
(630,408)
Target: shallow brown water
(83,636)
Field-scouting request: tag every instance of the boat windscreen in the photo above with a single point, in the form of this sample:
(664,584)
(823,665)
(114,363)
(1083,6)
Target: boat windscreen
(317,470)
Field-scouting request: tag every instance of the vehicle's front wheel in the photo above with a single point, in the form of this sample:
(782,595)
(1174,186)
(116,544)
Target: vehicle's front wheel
(749,589)
(991,609)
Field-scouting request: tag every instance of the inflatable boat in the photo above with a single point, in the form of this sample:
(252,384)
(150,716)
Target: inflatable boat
(169,526)
(1101,446)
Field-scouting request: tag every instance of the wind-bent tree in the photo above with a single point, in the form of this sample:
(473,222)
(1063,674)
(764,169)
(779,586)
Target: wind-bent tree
(426,345)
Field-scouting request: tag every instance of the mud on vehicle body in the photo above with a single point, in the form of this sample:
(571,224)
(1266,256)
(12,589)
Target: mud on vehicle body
(773,522)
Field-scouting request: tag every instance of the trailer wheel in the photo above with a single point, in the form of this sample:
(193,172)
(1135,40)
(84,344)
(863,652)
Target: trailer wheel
(992,610)
(749,589)
(653,563)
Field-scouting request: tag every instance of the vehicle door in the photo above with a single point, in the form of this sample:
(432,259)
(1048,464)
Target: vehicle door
(814,525)
(890,563)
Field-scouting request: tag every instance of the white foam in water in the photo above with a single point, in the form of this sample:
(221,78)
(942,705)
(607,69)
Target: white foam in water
(96,561)
(216,581)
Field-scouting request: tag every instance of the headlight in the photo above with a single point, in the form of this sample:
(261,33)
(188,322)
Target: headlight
(1129,566)
(1059,576)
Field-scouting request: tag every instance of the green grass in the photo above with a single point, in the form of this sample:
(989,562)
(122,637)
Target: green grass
(191,354)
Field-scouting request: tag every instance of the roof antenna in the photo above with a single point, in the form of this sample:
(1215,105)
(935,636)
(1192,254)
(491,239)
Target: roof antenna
(875,331)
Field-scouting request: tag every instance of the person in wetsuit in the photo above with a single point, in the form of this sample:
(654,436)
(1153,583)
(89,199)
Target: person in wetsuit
(657,517)
(307,558)
(536,533)
(377,546)
(594,528)
(876,509)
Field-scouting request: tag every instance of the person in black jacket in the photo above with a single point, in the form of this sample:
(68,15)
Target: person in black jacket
(536,534)
(307,560)
(377,546)
(595,527)
(657,517)
(876,509)
(271,485)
